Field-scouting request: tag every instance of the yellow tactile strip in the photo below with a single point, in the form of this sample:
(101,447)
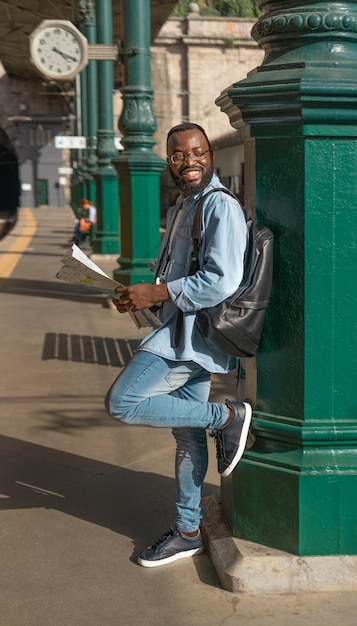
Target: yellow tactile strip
(20,241)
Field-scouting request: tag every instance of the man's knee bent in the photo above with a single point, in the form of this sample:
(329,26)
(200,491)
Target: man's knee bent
(112,407)
(117,409)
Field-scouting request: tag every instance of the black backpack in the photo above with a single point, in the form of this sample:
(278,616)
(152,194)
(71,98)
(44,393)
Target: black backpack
(236,324)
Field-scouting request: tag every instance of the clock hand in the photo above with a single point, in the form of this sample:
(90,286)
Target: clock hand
(66,56)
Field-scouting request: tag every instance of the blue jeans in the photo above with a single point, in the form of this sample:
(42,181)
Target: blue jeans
(152,391)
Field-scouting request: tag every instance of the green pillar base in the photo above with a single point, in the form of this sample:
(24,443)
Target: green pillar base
(105,243)
(91,190)
(251,568)
(106,240)
(131,272)
(84,184)
(297,500)
(139,186)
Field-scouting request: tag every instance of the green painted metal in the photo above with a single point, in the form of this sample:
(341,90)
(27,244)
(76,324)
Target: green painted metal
(140,237)
(295,489)
(294,499)
(92,99)
(82,165)
(75,187)
(139,168)
(106,240)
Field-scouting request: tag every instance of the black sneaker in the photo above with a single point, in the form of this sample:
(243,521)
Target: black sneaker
(171,546)
(231,439)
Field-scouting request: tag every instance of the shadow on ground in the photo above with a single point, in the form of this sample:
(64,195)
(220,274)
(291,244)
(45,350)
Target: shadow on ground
(117,498)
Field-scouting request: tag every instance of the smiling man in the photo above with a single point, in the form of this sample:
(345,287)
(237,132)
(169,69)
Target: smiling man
(167,382)
(190,172)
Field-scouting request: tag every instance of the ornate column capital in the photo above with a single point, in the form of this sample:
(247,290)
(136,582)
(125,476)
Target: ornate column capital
(137,122)
(86,9)
(286,25)
(308,75)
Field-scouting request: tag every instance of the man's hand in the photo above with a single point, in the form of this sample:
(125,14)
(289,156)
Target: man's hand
(140,296)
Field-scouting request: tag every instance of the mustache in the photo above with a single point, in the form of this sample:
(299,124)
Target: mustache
(190,189)
(195,168)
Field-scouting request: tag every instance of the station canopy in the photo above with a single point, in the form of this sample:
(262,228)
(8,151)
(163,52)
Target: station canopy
(19,18)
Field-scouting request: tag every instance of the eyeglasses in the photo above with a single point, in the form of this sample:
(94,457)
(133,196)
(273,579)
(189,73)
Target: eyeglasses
(181,157)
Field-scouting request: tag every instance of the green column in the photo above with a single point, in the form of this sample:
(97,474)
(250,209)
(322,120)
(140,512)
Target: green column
(76,155)
(83,175)
(295,490)
(106,240)
(87,10)
(138,167)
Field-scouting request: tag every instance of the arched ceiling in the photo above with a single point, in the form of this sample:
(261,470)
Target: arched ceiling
(18,18)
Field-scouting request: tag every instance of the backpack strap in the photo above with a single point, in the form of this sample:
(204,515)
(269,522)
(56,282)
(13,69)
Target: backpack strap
(194,267)
(197,220)
(159,264)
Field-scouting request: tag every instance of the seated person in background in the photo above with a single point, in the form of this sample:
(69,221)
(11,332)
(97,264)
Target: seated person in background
(89,217)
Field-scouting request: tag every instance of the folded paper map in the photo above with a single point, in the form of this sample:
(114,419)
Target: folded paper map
(79,269)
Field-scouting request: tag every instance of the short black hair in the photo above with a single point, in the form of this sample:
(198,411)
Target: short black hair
(179,128)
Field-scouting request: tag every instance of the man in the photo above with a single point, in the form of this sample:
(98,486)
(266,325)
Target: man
(167,384)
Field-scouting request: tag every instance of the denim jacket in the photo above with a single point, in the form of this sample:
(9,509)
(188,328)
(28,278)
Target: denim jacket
(221,257)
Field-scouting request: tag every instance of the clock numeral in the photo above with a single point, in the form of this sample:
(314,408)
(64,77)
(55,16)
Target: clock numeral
(42,42)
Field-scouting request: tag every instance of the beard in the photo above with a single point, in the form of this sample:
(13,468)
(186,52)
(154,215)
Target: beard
(192,190)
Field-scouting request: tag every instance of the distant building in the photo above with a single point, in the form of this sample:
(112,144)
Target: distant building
(194,59)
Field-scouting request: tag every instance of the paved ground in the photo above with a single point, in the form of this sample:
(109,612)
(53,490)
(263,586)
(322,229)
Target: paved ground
(81,495)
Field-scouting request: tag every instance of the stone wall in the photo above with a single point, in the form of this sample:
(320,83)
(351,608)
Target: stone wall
(193,60)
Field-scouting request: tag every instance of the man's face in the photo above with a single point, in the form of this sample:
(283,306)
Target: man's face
(190,175)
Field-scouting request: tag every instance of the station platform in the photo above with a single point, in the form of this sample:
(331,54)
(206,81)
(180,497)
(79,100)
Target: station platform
(81,495)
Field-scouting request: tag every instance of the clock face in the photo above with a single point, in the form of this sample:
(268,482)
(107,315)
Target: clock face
(58,49)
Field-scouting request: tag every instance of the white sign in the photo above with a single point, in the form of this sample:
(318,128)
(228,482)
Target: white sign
(65,170)
(66,141)
(26,186)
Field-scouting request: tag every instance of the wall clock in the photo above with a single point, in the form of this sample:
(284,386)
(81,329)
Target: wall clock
(58,49)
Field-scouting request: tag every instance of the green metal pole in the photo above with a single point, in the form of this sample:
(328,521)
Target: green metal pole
(87,9)
(295,489)
(106,240)
(76,155)
(82,169)
(138,167)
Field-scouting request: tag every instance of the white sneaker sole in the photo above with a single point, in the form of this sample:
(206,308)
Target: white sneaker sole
(170,559)
(242,441)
